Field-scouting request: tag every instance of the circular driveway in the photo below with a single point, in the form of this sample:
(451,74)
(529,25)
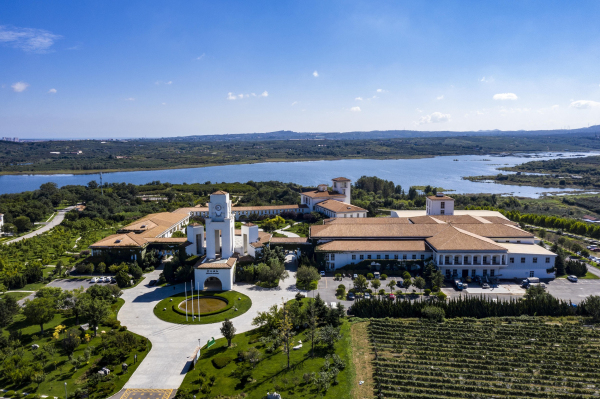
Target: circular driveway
(174,344)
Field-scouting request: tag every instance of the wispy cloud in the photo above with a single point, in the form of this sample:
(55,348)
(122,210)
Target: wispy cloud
(440,97)
(201,56)
(160,82)
(316,74)
(436,117)
(130,99)
(486,80)
(231,96)
(19,87)
(294,103)
(381,91)
(52,91)
(358,99)
(355,109)
(27,39)
(584,104)
(264,94)
(505,96)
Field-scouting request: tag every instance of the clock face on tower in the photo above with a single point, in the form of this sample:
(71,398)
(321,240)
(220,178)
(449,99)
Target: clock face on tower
(218,207)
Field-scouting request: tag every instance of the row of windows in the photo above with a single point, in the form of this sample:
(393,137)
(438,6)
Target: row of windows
(386,256)
(535,260)
(473,272)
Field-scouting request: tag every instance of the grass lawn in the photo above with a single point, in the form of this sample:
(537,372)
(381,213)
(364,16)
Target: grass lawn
(171,316)
(588,276)
(299,229)
(271,373)
(17,295)
(58,369)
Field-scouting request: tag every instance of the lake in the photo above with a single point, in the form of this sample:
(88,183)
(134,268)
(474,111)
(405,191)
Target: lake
(446,172)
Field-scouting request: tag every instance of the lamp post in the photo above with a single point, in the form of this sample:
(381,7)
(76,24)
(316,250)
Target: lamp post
(65,390)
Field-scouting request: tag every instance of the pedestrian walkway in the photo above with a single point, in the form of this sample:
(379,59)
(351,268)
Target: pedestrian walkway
(287,233)
(58,219)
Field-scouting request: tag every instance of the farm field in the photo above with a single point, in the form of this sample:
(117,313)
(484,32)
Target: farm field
(486,358)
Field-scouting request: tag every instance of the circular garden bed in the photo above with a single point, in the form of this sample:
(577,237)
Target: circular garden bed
(214,307)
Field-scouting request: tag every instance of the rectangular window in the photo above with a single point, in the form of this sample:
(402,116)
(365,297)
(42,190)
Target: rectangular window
(414,256)
(518,241)
(492,272)
(511,260)
(404,257)
(442,212)
(547,260)
(447,273)
(326,256)
(534,260)
(362,257)
(378,257)
(396,256)
(422,257)
(454,272)
(473,273)
(531,274)
(368,256)
(353,257)
(387,257)
(443,205)
(332,256)
(485,272)
(522,260)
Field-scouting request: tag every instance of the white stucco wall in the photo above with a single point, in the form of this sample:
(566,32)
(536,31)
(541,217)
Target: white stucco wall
(225,275)
(434,207)
(342,259)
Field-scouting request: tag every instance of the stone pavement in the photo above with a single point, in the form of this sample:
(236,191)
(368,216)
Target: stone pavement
(136,393)
(173,344)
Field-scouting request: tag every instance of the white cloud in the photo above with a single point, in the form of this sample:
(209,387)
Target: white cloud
(419,110)
(160,82)
(358,99)
(584,104)
(130,99)
(486,80)
(240,96)
(316,74)
(440,97)
(27,39)
(294,103)
(355,109)
(505,96)
(52,91)
(200,57)
(20,86)
(379,90)
(230,96)
(436,117)
(264,94)
(164,103)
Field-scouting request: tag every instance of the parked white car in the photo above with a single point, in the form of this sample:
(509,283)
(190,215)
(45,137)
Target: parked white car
(572,278)
(94,280)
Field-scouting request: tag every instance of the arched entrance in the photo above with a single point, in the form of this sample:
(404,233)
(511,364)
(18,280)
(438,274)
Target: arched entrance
(213,284)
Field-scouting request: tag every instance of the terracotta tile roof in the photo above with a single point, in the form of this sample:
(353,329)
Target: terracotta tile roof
(268,207)
(386,220)
(456,239)
(496,230)
(392,230)
(194,209)
(215,263)
(289,240)
(220,192)
(263,238)
(168,240)
(322,194)
(119,241)
(457,219)
(424,220)
(499,220)
(339,207)
(164,219)
(374,246)
(442,198)
(341,179)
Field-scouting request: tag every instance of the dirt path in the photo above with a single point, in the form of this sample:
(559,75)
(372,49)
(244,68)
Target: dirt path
(362,358)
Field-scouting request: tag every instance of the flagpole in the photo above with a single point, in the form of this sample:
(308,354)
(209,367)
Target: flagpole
(198,289)
(185,286)
(192,287)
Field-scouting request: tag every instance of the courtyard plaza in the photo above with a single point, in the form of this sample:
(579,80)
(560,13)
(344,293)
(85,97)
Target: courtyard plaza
(174,344)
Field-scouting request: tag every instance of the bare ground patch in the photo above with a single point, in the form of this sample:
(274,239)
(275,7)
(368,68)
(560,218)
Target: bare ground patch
(362,358)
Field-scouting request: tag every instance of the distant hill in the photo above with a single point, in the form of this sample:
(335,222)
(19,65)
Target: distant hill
(374,134)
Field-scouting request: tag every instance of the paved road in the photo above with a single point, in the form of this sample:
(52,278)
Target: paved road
(60,216)
(173,344)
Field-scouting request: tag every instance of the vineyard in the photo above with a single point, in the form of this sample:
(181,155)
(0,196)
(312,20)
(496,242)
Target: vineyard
(490,358)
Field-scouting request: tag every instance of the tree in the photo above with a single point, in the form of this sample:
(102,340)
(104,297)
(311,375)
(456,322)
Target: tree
(329,335)
(252,356)
(122,279)
(437,279)
(419,283)
(136,271)
(376,284)
(8,309)
(361,283)
(228,331)
(433,313)
(536,292)
(71,340)
(391,285)
(406,281)
(306,274)
(22,223)
(592,306)
(313,322)
(95,311)
(286,331)
(559,264)
(101,268)
(39,311)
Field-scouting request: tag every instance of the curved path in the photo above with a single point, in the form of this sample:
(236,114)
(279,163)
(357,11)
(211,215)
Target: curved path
(58,219)
(174,344)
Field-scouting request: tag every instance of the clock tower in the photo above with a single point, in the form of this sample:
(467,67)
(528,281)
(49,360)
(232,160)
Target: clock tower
(220,225)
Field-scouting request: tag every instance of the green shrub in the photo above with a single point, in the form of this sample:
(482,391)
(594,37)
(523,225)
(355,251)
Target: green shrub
(427,292)
(433,313)
(370,276)
(383,277)
(9,394)
(221,361)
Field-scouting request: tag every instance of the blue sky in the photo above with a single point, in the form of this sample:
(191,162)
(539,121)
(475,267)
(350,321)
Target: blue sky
(79,69)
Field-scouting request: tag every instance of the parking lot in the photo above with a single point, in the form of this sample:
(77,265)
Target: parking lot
(66,284)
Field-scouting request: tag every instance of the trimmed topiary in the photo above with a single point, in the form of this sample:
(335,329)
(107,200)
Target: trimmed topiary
(221,361)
